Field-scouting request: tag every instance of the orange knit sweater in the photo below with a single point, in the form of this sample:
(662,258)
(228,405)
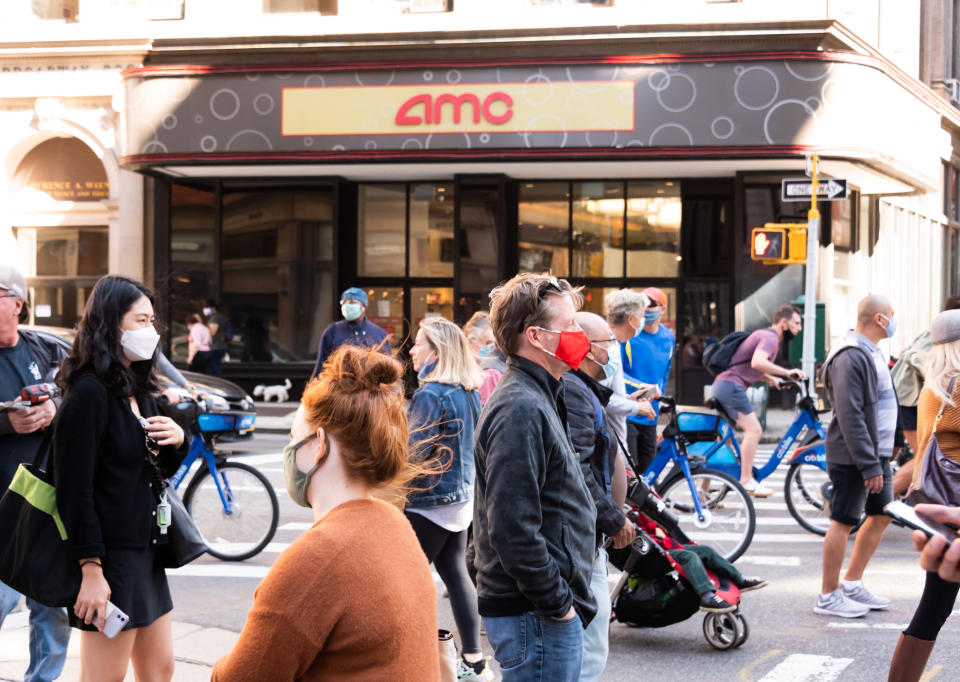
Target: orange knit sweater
(351,599)
(948,432)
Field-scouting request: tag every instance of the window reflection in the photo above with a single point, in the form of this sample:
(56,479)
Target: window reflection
(706,319)
(277,263)
(429,302)
(193,255)
(543,225)
(431,230)
(385,309)
(598,229)
(382,231)
(654,212)
(479,248)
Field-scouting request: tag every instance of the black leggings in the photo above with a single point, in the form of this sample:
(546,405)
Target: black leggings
(446,550)
(936,605)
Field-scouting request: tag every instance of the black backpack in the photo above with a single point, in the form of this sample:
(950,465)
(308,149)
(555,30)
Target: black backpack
(717,357)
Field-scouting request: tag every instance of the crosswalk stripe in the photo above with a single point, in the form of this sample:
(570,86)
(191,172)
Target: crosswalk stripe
(295,525)
(807,668)
(702,538)
(220,570)
(769,560)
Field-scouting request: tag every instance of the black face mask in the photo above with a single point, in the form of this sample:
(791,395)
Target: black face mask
(788,335)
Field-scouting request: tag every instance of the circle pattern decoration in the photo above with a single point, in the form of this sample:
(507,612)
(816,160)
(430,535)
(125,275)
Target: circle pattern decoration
(722,127)
(263,104)
(756,87)
(224,104)
(685,104)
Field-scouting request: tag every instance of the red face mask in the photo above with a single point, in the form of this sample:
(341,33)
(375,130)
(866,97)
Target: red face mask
(572,349)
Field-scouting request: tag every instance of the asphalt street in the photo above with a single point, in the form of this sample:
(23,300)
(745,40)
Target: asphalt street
(787,641)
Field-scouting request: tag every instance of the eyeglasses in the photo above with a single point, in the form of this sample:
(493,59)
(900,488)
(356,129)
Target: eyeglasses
(152,446)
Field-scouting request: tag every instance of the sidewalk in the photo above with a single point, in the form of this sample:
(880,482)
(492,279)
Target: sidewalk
(195,650)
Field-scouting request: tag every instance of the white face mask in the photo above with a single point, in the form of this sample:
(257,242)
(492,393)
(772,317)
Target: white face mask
(139,344)
(207,311)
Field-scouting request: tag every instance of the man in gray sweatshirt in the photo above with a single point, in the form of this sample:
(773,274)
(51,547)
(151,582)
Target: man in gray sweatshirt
(859,446)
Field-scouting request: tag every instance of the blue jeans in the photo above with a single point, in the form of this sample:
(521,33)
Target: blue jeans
(535,648)
(49,636)
(596,638)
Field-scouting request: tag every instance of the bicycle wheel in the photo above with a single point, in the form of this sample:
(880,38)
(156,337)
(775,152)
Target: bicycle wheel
(807,491)
(729,516)
(252,521)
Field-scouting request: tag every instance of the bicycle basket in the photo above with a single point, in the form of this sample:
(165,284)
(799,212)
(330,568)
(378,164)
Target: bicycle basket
(698,424)
(226,422)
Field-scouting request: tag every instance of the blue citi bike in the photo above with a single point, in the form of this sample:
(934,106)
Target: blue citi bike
(807,487)
(232,503)
(710,504)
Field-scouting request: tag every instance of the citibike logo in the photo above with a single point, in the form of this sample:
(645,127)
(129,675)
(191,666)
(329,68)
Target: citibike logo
(424,109)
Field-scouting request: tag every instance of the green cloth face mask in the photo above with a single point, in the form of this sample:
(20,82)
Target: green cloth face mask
(296,481)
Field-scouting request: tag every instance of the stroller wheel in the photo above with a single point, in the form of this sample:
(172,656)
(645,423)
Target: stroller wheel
(745,630)
(723,630)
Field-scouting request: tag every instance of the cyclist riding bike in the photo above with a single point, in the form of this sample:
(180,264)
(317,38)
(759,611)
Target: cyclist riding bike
(753,361)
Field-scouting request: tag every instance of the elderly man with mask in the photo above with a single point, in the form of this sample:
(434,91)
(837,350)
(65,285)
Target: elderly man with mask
(587,392)
(27,358)
(354,329)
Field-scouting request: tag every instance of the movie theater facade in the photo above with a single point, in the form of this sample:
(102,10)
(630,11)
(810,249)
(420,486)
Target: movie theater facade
(273,186)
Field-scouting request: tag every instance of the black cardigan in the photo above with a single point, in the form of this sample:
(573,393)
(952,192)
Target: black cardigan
(102,479)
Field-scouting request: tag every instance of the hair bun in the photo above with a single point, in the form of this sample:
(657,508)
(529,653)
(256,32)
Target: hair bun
(379,369)
(362,369)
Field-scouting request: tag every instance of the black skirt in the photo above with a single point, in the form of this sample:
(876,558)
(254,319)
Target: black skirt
(138,587)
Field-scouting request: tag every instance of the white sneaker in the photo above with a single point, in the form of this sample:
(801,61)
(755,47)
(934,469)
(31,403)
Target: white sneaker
(862,595)
(755,489)
(836,604)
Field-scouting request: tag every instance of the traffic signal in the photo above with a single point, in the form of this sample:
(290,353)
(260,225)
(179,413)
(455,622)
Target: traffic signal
(768,243)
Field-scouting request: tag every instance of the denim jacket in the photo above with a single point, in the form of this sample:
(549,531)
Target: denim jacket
(451,413)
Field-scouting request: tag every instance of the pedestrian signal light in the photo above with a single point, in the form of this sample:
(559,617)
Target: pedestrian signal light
(768,243)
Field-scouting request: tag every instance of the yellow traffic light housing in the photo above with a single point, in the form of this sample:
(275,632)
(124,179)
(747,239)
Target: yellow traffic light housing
(779,243)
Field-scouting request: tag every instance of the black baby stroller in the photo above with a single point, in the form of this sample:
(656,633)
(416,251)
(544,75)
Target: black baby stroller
(653,590)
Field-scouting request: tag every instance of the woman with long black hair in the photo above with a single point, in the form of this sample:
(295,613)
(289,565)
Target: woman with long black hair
(108,441)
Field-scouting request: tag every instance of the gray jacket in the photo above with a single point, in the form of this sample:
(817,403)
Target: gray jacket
(852,437)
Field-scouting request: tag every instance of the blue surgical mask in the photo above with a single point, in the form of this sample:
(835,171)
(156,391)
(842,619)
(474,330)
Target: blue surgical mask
(485,351)
(651,316)
(891,327)
(351,311)
(614,362)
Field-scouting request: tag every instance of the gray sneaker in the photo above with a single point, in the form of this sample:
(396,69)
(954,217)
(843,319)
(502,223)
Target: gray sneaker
(836,604)
(862,595)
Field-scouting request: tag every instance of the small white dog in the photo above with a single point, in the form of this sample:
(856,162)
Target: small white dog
(278,392)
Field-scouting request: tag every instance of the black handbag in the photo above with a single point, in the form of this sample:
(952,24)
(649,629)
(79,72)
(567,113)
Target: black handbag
(182,541)
(35,557)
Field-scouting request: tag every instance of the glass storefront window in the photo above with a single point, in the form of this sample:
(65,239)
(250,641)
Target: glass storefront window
(598,229)
(382,231)
(479,248)
(706,315)
(431,230)
(193,259)
(277,250)
(429,302)
(543,217)
(385,310)
(654,212)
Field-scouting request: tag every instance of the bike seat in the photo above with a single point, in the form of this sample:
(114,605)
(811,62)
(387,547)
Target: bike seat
(715,404)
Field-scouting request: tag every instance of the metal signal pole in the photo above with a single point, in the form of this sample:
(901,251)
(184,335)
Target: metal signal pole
(810,291)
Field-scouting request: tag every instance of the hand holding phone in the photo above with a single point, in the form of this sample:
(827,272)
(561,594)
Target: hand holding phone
(114,621)
(911,518)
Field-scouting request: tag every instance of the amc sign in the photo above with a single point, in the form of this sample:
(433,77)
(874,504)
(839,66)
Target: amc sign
(532,107)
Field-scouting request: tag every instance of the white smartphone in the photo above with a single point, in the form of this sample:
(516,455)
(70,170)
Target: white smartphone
(912,519)
(114,621)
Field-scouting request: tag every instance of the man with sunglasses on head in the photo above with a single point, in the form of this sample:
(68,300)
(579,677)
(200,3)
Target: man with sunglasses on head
(534,518)
(27,358)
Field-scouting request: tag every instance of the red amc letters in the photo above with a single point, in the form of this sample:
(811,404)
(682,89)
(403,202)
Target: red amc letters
(433,109)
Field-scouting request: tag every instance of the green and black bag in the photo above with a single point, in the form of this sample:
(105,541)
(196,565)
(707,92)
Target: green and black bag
(35,558)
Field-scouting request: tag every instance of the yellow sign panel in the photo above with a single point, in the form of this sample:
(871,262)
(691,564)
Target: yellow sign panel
(534,107)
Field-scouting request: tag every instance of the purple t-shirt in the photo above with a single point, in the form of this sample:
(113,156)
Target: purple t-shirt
(740,371)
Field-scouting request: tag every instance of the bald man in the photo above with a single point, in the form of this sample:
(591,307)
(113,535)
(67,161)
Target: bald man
(859,446)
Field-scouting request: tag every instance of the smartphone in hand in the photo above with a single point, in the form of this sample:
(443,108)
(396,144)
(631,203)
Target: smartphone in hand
(911,518)
(114,621)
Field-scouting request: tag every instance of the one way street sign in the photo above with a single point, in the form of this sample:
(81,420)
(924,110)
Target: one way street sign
(800,189)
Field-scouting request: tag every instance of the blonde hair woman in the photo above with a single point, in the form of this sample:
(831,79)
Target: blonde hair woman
(443,413)
(941,389)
